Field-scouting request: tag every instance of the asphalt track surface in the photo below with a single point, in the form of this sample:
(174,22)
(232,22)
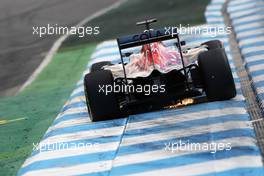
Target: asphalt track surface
(20,51)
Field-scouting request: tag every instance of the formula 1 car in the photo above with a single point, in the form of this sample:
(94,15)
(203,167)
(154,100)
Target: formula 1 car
(154,75)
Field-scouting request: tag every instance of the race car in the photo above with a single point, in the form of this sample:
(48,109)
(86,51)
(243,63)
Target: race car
(152,75)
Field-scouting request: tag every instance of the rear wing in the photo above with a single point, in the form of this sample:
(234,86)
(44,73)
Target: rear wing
(146,38)
(149,36)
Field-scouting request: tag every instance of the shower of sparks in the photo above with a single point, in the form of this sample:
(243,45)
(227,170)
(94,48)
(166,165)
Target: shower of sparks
(181,103)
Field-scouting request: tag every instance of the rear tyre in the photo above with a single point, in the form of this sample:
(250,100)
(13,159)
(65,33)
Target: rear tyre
(213,44)
(98,66)
(216,75)
(101,106)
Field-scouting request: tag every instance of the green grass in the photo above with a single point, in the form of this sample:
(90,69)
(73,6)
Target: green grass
(39,104)
(121,21)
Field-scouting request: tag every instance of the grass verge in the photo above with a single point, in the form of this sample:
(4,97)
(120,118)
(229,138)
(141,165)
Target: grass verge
(25,118)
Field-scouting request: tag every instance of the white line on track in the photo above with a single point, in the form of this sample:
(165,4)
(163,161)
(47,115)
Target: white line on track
(59,41)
